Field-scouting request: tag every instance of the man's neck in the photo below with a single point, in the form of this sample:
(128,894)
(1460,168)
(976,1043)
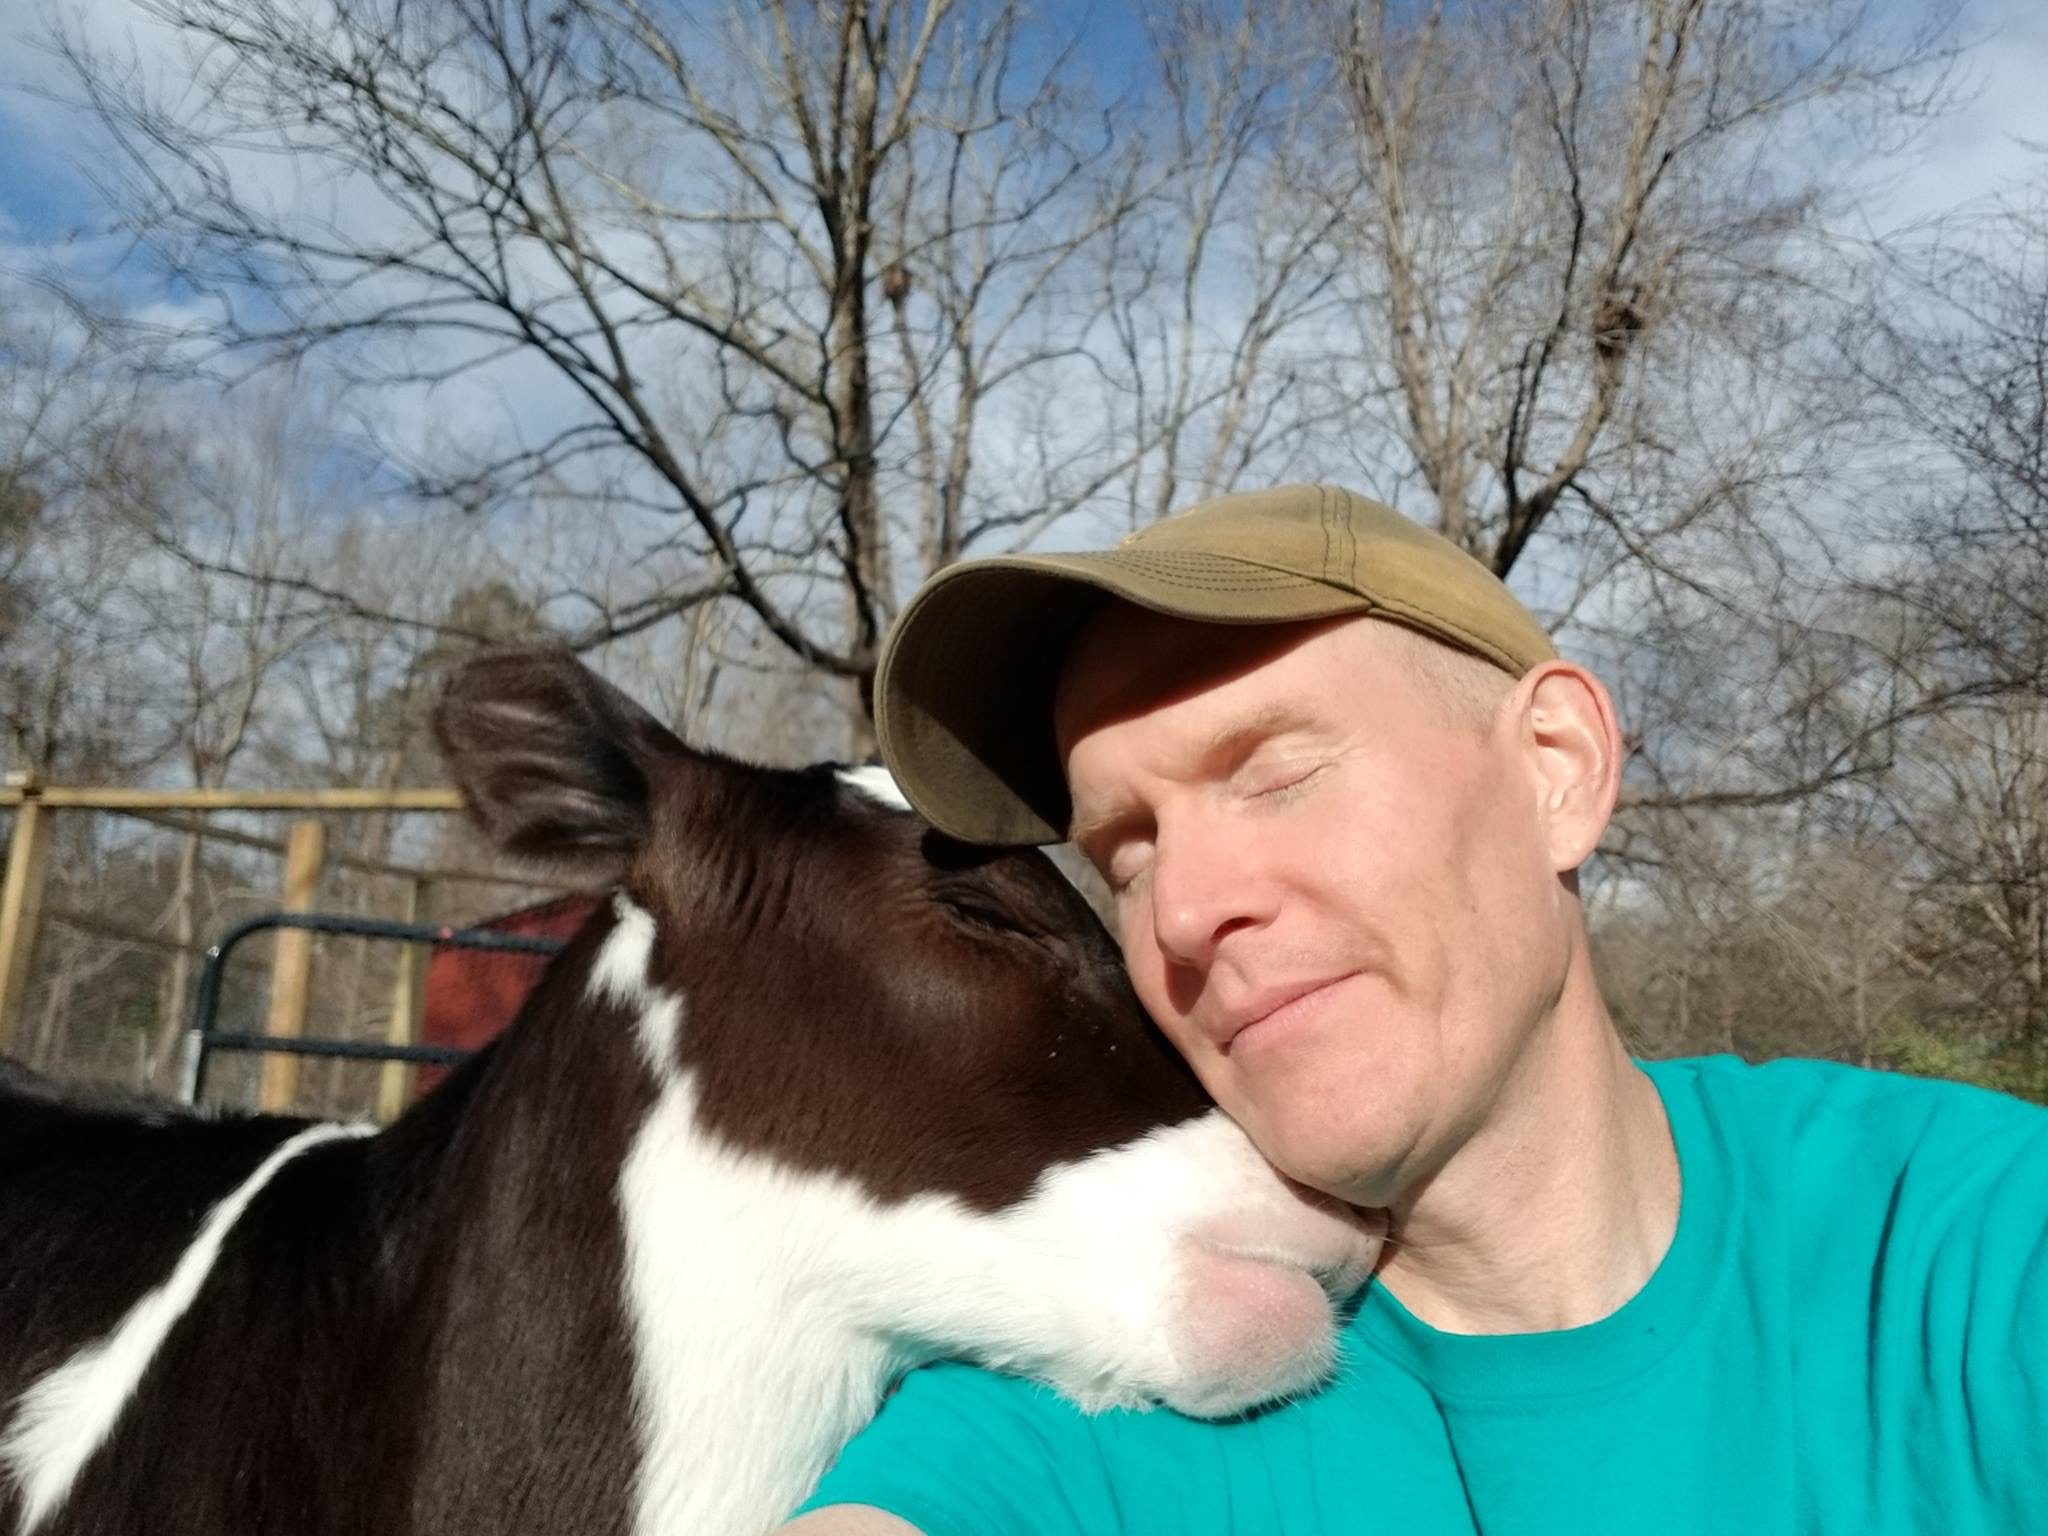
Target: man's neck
(1559,1209)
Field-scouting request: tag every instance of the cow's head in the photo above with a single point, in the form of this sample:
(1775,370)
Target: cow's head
(941,1034)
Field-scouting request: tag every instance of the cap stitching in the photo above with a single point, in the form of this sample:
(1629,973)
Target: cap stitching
(1470,638)
(1491,650)
(1186,557)
(1240,574)
(1227,584)
(1323,522)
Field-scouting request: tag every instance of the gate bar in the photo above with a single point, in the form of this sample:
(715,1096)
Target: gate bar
(202,1040)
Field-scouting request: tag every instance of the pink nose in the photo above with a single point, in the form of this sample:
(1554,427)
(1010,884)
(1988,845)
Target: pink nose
(1254,1319)
(1249,1332)
(1336,1243)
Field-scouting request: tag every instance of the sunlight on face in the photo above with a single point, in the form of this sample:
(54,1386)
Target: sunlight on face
(1330,881)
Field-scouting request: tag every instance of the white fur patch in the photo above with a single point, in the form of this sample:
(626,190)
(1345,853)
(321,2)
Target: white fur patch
(750,1367)
(877,783)
(69,1413)
(620,976)
(620,972)
(771,1307)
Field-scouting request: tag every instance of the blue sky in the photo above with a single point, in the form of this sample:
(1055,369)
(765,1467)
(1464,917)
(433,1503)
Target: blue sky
(50,213)
(48,204)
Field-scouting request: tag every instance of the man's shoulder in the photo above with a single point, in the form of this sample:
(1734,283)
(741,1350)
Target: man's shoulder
(957,1446)
(963,1449)
(1800,1089)
(1823,1131)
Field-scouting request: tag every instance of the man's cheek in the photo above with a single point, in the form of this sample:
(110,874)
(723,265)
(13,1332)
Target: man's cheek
(1174,1023)
(1171,1012)
(1147,970)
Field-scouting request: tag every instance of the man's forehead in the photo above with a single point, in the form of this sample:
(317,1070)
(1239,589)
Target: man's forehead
(1128,662)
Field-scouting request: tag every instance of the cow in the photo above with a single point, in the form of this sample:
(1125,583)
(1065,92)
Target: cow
(817,1095)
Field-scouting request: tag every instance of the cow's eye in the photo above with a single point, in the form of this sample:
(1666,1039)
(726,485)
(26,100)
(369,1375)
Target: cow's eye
(979,912)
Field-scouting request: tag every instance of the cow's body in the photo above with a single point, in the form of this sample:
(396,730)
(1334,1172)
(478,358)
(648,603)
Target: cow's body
(382,1343)
(647,1261)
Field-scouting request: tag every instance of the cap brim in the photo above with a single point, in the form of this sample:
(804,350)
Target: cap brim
(964,690)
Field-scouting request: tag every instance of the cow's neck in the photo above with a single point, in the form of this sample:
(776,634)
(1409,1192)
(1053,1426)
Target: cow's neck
(503,1259)
(748,1370)
(771,1307)
(753,1310)
(753,1360)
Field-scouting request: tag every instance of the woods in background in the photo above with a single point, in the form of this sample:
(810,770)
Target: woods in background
(696,336)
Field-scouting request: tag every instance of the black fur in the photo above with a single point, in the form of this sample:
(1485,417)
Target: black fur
(425,1331)
(418,1332)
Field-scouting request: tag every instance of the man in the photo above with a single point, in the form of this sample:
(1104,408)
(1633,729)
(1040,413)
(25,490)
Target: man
(1340,783)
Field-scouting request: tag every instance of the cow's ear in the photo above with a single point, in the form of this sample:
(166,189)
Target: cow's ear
(554,763)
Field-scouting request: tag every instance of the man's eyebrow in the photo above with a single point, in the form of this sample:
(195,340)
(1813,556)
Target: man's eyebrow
(1235,738)
(1232,740)
(1082,829)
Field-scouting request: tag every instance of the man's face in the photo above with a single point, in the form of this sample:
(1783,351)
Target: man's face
(1332,887)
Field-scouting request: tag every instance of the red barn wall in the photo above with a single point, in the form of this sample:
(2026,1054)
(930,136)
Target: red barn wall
(471,994)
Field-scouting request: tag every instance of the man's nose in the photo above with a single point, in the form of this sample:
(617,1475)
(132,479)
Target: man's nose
(1203,890)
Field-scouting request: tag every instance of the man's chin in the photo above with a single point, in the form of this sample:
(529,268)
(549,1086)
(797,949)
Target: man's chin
(1346,1151)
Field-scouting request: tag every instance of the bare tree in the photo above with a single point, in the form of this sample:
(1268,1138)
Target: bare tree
(1219,297)
(1899,909)
(67,706)
(1979,815)
(214,642)
(1963,353)
(1593,276)
(1588,241)
(1958,342)
(813,293)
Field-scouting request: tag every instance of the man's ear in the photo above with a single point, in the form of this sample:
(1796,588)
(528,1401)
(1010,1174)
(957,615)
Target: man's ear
(554,763)
(1573,747)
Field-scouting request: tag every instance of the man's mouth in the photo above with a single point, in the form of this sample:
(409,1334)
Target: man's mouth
(1273,1008)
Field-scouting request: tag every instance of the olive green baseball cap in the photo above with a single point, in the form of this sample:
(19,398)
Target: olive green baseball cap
(964,689)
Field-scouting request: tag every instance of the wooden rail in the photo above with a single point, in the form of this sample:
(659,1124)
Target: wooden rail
(353,861)
(291,964)
(21,911)
(96,799)
(22,908)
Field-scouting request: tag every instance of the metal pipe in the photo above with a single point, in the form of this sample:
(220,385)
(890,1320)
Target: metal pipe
(203,1040)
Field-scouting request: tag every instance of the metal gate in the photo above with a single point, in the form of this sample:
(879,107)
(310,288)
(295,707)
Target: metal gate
(205,1037)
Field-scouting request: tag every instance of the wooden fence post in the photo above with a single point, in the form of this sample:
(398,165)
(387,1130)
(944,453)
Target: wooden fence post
(408,1007)
(21,906)
(291,967)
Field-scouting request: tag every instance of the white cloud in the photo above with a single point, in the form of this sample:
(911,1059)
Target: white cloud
(1984,148)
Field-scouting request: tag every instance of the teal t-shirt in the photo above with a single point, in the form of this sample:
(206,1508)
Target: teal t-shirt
(1849,1333)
